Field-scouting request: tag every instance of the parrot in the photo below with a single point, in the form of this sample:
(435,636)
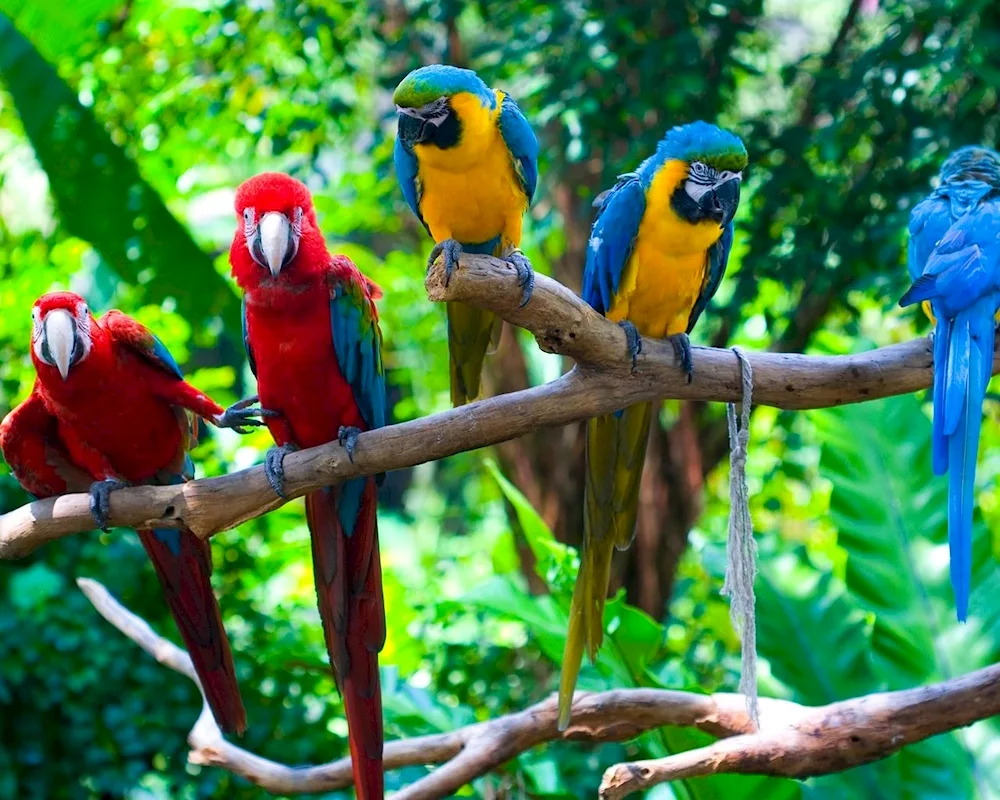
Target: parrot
(110,408)
(656,255)
(954,263)
(313,341)
(466,159)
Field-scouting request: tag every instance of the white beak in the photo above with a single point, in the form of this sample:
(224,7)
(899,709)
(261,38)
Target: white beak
(274,239)
(60,336)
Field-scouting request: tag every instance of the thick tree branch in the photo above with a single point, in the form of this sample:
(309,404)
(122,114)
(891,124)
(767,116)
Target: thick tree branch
(601,383)
(793,741)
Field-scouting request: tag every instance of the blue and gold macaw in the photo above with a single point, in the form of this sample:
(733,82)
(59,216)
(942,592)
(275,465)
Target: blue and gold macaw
(467,161)
(656,256)
(954,261)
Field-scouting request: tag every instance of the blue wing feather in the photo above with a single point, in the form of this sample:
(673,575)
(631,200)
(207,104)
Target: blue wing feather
(718,257)
(358,343)
(523,146)
(955,264)
(246,337)
(407,170)
(612,240)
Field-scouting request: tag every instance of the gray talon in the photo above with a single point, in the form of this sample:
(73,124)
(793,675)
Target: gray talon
(100,500)
(452,251)
(633,339)
(274,468)
(682,351)
(348,438)
(240,415)
(525,275)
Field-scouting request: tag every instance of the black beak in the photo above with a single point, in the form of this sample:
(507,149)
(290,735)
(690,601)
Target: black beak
(413,129)
(721,203)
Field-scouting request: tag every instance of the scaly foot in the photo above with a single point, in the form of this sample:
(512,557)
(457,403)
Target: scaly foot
(348,438)
(633,338)
(525,274)
(240,415)
(682,351)
(452,250)
(274,467)
(100,495)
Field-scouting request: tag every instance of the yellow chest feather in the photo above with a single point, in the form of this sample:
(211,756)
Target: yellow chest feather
(667,269)
(470,192)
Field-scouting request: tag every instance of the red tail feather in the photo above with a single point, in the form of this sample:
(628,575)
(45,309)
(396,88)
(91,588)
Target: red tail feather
(349,589)
(183,564)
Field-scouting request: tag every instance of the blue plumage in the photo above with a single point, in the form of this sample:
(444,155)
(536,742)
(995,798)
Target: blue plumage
(523,146)
(407,170)
(955,262)
(612,238)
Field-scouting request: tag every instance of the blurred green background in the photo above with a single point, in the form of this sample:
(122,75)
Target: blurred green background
(124,128)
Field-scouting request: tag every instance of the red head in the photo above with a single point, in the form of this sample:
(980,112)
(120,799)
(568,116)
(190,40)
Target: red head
(63,333)
(276,235)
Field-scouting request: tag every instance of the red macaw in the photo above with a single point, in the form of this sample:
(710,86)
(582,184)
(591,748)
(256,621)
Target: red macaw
(312,337)
(110,405)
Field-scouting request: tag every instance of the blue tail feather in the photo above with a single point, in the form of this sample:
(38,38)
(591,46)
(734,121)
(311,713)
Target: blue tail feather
(963,451)
(940,441)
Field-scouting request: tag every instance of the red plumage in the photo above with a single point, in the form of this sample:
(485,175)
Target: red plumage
(121,412)
(291,316)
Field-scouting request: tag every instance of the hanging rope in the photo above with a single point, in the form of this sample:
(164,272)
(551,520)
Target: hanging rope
(741,549)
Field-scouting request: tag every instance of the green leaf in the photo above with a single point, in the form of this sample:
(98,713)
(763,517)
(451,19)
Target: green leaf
(57,28)
(101,196)
(35,586)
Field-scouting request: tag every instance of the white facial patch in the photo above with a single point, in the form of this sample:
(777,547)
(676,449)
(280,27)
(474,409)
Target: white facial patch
(701,180)
(83,329)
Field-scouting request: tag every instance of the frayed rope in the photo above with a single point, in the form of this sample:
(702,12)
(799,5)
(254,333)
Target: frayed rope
(741,549)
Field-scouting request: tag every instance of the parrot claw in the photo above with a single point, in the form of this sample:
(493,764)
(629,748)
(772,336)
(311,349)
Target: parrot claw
(633,339)
(348,438)
(241,417)
(525,274)
(274,468)
(682,350)
(100,500)
(452,251)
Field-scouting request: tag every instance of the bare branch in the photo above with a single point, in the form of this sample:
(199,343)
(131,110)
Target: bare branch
(828,738)
(601,383)
(793,741)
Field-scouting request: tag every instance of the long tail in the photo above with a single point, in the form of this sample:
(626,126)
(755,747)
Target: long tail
(183,563)
(616,450)
(969,346)
(471,332)
(349,589)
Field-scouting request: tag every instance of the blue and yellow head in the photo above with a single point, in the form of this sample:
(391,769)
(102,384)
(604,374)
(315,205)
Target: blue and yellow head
(715,161)
(428,103)
(972,163)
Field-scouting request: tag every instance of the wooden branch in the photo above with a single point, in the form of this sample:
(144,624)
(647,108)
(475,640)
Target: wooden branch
(793,741)
(601,383)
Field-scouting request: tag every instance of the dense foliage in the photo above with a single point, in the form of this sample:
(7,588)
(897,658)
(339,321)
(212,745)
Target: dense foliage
(124,127)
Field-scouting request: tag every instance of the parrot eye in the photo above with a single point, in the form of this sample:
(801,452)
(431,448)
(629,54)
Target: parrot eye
(249,223)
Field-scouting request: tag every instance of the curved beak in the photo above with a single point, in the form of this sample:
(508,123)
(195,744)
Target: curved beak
(413,127)
(59,340)
(721,203)
(276,244)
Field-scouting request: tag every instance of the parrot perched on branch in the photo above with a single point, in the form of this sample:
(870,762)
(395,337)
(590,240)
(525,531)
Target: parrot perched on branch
(656,256)
(110,406)
(954,261)
(312,336)
(467,161)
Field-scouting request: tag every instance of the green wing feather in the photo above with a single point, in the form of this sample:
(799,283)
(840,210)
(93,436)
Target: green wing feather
(616,450)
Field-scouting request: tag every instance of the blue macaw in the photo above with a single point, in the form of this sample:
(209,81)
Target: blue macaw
(656,256)
(954,261)
(467,161)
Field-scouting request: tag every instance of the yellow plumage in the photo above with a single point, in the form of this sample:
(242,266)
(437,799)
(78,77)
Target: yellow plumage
(665,274)
(470,192)
(658,290)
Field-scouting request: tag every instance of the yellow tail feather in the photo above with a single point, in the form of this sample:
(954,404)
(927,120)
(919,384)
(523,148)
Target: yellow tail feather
(470,331)
(616,450)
